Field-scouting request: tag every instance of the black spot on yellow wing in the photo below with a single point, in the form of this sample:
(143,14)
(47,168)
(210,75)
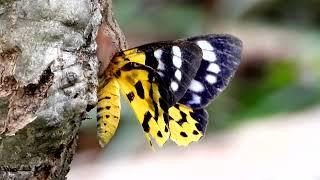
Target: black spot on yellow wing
(159,134)
(108,110)
(130,96)
(181,121)
(105,97)
(183,134)
(183,118)
(166,129)
(139,89)
(145,123)
(194,132)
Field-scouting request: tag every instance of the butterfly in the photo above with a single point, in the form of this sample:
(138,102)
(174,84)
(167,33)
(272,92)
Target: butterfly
(168,85)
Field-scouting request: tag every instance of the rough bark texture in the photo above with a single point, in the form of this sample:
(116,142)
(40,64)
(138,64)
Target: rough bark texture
(48,79)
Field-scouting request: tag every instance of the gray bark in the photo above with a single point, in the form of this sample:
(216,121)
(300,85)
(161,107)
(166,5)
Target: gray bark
(48,79)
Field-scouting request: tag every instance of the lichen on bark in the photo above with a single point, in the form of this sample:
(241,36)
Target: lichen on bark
(48,79)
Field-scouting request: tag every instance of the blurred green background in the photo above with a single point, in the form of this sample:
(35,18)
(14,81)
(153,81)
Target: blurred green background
(279,74)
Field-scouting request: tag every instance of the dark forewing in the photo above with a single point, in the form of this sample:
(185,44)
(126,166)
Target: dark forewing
(176,62)
(220,58)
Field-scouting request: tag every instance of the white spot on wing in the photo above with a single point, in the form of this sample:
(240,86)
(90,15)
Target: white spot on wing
(178,75)
(161,74)
(177,62)
(158,53)
(196,99)
(176,51)
(196,86)
(213,68)
(209,55)
(211,79)
(205,45)
(161,65)
(174,86)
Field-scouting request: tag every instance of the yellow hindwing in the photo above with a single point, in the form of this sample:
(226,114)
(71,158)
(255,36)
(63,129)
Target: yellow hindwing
(182,125)
(108,108)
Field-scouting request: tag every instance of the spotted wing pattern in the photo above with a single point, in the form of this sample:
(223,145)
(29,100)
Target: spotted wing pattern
(169,83)
(220,58)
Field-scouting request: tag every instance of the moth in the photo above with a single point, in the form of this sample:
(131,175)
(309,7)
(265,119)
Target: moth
(168,85)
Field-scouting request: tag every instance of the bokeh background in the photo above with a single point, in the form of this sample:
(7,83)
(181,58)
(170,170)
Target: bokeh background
(265,126)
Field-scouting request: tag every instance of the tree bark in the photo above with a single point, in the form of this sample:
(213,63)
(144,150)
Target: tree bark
(48,80)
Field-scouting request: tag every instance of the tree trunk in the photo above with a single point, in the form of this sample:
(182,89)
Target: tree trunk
(48,79)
